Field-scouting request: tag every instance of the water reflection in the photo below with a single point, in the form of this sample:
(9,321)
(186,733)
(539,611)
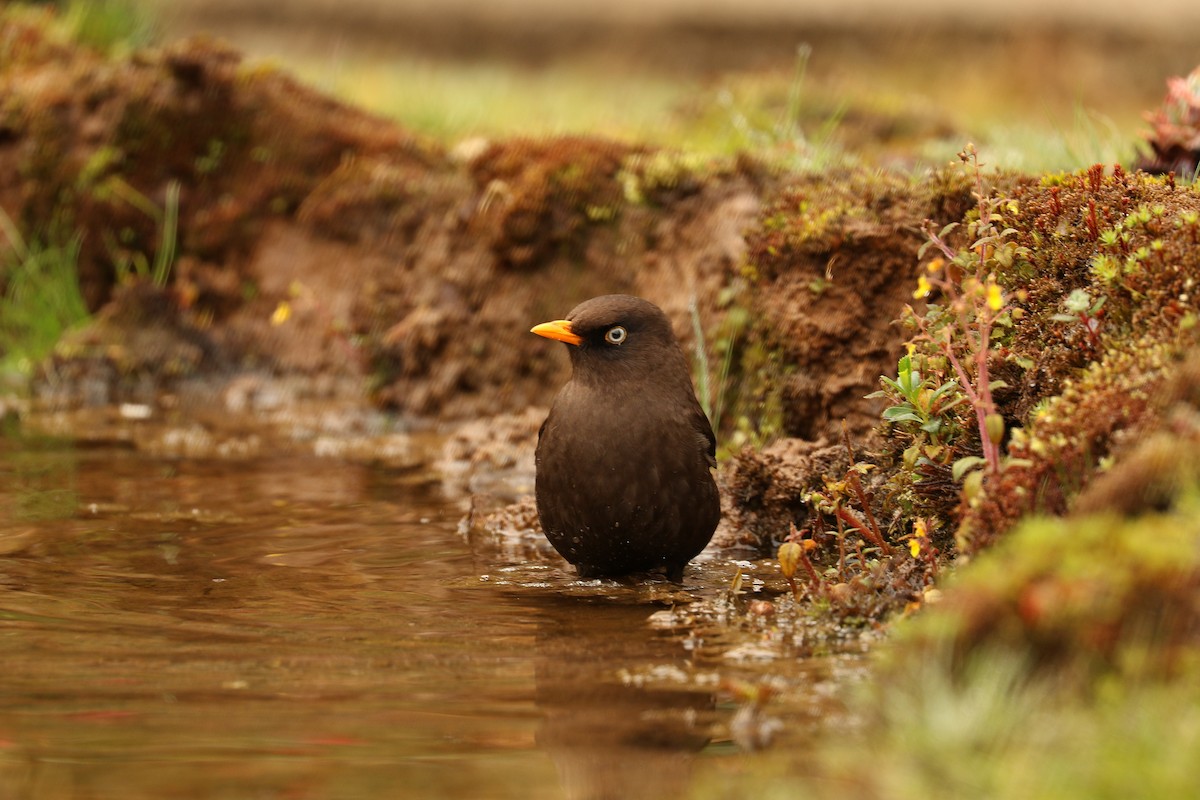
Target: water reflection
(232,629)
(300,627)
(609,737)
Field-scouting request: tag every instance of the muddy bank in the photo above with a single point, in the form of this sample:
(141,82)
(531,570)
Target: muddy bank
(317,241)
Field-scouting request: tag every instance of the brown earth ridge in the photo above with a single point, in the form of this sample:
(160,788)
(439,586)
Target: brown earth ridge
(414,270)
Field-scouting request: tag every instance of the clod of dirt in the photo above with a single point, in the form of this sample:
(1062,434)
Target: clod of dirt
(832,262)
(492,458)
(767,489)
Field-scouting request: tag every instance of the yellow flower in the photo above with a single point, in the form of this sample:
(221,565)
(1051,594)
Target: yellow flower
(995,298)
(935,264)
(920,530)
(281,314)
(923,288)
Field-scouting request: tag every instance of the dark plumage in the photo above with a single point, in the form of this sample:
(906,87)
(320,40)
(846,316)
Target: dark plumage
(624,459)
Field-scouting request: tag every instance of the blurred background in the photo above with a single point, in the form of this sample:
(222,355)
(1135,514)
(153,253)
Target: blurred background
(1038,85)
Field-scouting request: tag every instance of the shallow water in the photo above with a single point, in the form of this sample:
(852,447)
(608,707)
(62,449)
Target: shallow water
(303,627)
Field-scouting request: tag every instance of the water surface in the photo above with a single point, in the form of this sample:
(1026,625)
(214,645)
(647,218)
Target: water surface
(302,627)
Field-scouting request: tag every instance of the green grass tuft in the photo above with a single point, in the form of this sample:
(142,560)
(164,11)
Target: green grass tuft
(41,296)
(111,26)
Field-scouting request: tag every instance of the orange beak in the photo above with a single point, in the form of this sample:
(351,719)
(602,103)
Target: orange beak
(559,329)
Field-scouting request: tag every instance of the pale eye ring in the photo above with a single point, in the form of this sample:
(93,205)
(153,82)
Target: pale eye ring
(616,335)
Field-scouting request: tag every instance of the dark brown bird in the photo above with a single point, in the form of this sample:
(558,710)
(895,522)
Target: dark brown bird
(624,459)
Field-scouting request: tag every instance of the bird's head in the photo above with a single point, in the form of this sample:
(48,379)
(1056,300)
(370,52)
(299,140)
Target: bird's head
(616,334)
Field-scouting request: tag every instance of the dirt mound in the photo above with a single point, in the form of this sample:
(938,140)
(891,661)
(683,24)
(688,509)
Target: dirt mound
(316,239)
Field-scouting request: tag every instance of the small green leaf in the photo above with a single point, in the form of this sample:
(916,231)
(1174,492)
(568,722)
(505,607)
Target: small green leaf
(964,465)
(900,414)
(948,386)
(955,403)
(1023,362)
(973,485)
(1078,301)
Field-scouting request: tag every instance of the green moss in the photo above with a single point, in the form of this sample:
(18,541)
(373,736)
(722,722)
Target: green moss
(658,175)
(1081,595)
(1095,269)
(1125,243)
(752,397)
(990,731)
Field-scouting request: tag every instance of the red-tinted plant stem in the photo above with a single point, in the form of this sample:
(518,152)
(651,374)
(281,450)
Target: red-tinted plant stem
(848,517)
(813,577)
(862,498)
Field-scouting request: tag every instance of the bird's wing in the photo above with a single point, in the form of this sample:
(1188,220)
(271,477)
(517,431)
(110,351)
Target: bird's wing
(704,432)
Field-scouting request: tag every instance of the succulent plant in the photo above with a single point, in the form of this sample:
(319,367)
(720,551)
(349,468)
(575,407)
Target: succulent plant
(1174,137)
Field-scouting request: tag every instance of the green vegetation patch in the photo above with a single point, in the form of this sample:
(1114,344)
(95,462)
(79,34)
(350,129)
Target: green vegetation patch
(1083,597)
(1050,319)
(40,299)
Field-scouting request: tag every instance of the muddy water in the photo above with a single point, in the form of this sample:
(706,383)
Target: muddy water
(307,628)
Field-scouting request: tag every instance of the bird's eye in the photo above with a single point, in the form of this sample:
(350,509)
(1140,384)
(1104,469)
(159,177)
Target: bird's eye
(615,335)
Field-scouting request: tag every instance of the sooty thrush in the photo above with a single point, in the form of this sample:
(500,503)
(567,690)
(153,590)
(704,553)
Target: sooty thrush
(624,459)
